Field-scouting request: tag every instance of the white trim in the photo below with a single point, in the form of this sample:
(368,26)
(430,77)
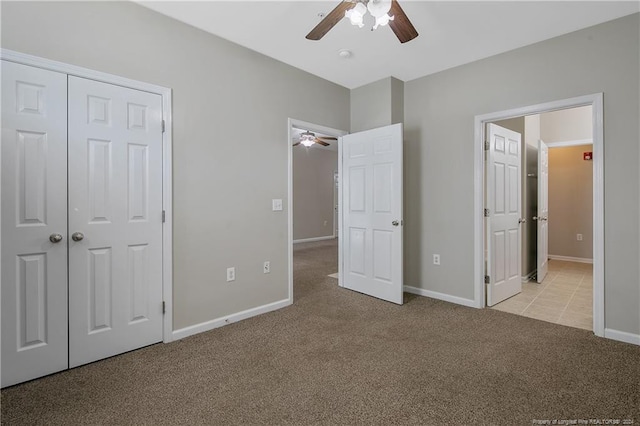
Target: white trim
(310,240)
(440,296)
(570,258)
(570,143)
(167,206)
(527,278)
(167,141)
(291,122)
(622,336)
(595,100)
(48,64)
(229,319)
(340,219)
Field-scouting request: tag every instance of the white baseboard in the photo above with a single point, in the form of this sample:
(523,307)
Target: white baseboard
(310,240)
(570,259)
(528,277)
(440,296)
(222,321)
(622,336)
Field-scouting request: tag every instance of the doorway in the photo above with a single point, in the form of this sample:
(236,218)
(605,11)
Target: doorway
(312,175)
(483,245)
(369,246)
(556,201)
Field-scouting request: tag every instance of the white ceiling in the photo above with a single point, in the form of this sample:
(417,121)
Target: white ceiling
(452,33)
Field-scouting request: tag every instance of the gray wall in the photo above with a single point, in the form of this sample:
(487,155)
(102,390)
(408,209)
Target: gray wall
(439,134)
(377,104)
(571,124)
(570,202)
(313,188)
(230,142)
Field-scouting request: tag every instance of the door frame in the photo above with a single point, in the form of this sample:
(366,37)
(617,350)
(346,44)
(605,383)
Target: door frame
(293,122)
(596,101)
(165,93)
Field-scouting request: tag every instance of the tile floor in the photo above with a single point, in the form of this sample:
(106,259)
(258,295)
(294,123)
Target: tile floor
(564,297)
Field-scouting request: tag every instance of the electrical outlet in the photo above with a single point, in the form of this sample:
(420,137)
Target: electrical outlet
(266,268)
(276,204)
(436,259)
(579,237)
(231,274)
(325,223)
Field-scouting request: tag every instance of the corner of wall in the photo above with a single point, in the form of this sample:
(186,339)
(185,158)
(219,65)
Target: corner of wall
(397,101)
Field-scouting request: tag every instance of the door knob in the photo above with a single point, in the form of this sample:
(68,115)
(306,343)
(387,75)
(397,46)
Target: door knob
(55,238)
(521,220)
(77,236)
(536,218)
(395,223)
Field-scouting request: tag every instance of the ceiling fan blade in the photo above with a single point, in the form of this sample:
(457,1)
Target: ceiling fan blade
(296,144)
(319,142)
(327,138)
(330,20)
(401,26)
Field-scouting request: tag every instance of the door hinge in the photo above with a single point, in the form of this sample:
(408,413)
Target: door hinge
(487,279)
(164,308)
(487,212)
(486,145)
(162,126)
(163,216)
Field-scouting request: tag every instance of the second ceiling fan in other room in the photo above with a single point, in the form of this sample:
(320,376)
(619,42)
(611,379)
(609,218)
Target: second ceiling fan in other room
(384,11)
(309,138)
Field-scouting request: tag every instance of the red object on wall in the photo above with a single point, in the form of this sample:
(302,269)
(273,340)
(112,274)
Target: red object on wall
(588,155)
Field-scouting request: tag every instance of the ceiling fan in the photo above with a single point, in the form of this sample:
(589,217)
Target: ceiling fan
(308,138)
(384,11)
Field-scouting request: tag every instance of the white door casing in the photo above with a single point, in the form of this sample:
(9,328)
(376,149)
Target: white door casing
(372,212)
(115,201)
(34,194)
(503,201)
(336,199)
(543,211)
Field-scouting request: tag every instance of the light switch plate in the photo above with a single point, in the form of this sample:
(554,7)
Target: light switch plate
(276,204)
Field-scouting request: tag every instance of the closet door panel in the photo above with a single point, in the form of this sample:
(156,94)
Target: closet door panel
(115,202)
(34,223)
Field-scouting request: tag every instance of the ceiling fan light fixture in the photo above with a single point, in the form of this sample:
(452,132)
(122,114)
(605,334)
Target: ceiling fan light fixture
(379,8)
(356,14)
(307,139)
(382,20)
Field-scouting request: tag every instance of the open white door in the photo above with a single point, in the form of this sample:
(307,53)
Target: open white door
(543,210)
(503,226)
(372,212)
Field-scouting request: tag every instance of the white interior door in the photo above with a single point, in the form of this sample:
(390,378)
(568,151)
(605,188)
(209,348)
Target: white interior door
(503,201)
(115,202)
(34,196)
(543,210)
(372,212)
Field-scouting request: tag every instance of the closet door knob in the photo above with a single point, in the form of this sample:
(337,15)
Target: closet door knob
(77,236)
(55,238)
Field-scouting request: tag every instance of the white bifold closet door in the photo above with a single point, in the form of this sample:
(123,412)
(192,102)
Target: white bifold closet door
(115,203)
(81,221)
(34,223)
